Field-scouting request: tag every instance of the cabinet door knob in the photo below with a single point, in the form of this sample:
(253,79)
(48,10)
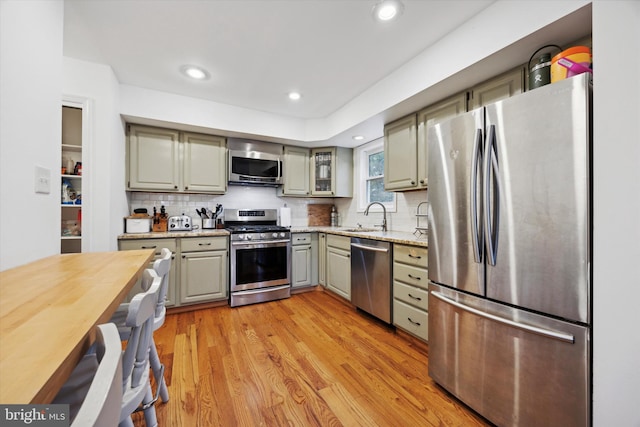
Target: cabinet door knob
(413,183)
(175,187)
(422,181)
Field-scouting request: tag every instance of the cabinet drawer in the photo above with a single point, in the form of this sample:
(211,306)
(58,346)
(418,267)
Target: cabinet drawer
(194,244)
(412,275)
(157,244)
(411,319)
(301,239)
(411,295)
(340,242)
(413,255)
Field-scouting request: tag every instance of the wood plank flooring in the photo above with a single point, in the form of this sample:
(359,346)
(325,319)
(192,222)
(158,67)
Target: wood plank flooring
(309,360)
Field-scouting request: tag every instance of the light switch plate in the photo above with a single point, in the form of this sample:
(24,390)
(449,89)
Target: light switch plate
(42,180)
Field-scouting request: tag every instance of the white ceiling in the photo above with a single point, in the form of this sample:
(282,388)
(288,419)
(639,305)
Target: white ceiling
(258,50)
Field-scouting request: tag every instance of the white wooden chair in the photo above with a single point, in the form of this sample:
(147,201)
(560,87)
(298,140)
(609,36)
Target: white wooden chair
(94,389)
(136,385)
(162,267)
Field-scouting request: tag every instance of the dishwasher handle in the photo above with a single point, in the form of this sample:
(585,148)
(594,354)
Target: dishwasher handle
(369,248)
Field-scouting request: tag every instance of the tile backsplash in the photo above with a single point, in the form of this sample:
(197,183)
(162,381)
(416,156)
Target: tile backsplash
(242,197)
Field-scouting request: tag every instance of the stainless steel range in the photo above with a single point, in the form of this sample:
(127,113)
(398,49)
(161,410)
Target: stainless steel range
(260,260)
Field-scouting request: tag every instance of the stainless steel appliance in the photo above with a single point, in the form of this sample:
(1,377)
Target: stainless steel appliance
(180,223)
(260,261)
(255,162)
(371,277)
(510,257)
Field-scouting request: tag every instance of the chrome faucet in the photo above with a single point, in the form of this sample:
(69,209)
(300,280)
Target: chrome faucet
(384,215)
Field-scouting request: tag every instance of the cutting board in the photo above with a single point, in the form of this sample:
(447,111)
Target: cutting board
(319,215)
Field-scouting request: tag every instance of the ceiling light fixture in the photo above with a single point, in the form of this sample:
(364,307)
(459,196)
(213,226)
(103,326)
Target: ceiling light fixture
(194,72)
(358,137)
(387,10)
(294,96)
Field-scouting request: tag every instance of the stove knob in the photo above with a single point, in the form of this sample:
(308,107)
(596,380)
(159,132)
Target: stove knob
(249,237)
(282,235)
(274,235)
(262,236)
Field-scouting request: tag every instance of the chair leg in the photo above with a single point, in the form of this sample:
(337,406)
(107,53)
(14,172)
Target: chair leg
(127,422)
(158,372)
(150,418)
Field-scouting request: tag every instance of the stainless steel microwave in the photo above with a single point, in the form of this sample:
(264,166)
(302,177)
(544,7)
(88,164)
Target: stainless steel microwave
(254,168)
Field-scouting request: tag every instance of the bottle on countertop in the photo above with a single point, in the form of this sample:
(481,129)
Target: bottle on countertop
(334,216)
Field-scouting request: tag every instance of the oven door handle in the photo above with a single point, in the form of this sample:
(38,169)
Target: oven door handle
(255,243)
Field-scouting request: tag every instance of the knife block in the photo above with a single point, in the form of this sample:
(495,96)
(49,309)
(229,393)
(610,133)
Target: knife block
(160,225)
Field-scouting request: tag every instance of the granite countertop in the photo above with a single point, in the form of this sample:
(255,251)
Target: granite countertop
(403,237)
(173,234)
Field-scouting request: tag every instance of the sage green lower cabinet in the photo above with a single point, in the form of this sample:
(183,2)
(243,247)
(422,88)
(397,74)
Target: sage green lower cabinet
(304,259)
(339,265)
(157,245)
(203,269)
(410,290)
(322,259)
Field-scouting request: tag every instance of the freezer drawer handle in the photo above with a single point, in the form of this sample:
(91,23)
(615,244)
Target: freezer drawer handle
(415,256)
(414,277)
(533,329)
(369,248)
(415,298)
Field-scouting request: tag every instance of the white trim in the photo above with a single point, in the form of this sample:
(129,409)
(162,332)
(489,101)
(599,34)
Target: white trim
(361,174)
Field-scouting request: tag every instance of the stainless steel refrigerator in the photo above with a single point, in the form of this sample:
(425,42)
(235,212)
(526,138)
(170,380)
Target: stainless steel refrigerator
(510,257)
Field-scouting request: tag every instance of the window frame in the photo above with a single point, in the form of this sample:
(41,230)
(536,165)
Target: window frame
(362,154)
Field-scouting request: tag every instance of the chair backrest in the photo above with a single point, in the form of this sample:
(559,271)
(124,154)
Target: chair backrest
(162,266)
(100,403)
(135,358)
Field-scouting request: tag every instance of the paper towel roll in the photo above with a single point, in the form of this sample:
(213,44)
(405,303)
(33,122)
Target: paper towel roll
(285,217)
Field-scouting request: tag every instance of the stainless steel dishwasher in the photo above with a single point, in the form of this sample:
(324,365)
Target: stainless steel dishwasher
(371,277)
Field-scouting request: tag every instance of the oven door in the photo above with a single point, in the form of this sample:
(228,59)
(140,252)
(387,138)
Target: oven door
(257,265)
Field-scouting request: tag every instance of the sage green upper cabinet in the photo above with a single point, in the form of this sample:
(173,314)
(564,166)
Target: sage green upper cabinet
(332,172)
(295,171)
(205,163)
(493,90)
(172,161)
(153,159)
(442,110)
(400,155)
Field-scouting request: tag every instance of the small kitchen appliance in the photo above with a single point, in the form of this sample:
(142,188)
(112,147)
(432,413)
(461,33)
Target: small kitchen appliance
(180,223)
(260,256)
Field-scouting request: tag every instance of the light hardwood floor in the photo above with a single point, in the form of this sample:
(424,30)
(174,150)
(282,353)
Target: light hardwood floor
(309,360)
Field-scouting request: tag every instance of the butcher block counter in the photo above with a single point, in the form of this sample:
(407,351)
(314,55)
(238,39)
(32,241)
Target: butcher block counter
(48,312)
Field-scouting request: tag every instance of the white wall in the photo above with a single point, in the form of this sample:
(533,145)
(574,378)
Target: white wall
(30,128)
(616,216)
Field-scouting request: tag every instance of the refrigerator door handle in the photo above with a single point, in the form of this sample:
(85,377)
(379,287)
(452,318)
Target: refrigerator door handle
(491,196)
(476,161)
(561,336)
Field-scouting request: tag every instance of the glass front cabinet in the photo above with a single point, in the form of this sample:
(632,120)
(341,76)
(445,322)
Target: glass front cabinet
(331,172)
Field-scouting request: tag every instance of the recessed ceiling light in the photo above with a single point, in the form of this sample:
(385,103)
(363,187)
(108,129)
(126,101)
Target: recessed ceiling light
(294,96)
(194,72)
(386,10)
(358,137)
